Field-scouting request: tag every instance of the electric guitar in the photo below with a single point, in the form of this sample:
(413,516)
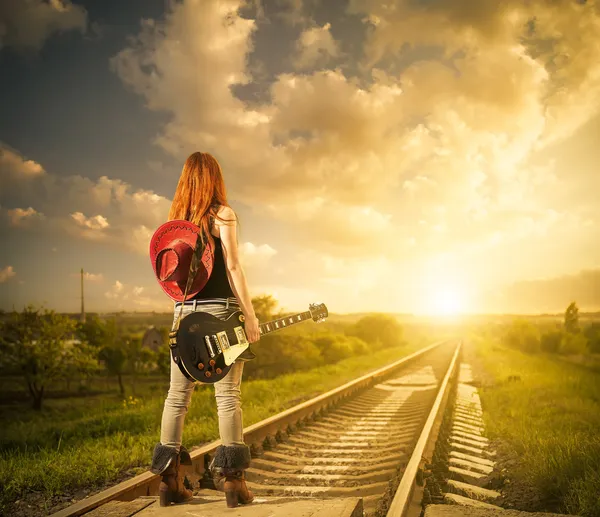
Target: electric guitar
(205,347)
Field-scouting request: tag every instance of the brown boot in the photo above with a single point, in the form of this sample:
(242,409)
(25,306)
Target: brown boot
(236,490)
(166,462)
(228,468)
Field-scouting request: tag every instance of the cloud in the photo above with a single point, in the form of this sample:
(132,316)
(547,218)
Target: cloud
(315,47)
(6,273)
(446,143)
(130,297)
(254,256)
(332,226)
(293,12)
(105,209)
(559,36)
(90,277)
(440,151)
(323,134)
(24,217)
(12,164)
(551,294)
(26,24)
(97,222)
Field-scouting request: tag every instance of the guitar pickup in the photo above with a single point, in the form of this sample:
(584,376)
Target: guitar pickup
(223,341)
(240,335)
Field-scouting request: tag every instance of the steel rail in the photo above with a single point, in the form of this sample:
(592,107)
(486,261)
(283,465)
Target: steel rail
(404,494)
(147,483)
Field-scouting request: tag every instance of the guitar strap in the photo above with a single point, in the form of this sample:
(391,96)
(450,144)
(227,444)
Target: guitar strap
(194,266)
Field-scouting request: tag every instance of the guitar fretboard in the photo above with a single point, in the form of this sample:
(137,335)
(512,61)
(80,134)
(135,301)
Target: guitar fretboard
(284,322)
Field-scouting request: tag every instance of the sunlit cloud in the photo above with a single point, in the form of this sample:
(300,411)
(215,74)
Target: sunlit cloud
(21,217)
(90,277)
(124,296)
(96,222)
(14,164)
(315,47)
(28,24)
(6,273)
(439,160)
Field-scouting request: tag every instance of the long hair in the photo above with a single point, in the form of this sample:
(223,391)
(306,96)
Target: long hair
(200,192)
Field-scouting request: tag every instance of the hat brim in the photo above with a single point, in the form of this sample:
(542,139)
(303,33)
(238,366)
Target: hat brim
(189,233)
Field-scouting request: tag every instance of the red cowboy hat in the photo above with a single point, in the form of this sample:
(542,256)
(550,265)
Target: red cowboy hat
(171,250)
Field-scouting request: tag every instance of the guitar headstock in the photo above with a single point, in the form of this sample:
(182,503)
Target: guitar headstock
(318,311)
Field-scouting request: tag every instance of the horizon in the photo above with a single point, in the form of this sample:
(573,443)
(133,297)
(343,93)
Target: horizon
(424,159)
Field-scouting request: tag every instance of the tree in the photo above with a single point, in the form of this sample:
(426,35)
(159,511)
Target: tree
(572,318)
(39,346)
(550,341)
(163,354)
(335,346)
(264,307)
(112,353)
(93,331)
(523,335)
(573,344)
(592,333)
(378,331)
(138,358)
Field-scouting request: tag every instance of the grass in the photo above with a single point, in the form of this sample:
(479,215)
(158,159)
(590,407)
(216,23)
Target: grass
(550,418)
(76,443)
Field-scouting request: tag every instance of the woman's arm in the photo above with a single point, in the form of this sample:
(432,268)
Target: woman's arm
(235,272)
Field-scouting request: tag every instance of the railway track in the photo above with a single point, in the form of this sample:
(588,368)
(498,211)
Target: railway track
(364,439)
(356,448)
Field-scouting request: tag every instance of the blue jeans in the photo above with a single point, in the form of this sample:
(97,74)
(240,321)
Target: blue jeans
(227,390)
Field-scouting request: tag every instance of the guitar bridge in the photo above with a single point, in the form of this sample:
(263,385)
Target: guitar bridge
(209,346)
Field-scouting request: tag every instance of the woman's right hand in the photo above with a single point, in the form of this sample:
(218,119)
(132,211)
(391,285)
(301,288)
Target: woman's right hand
(251,327)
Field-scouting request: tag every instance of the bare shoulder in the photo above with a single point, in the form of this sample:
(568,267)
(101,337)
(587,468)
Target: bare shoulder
(226,216)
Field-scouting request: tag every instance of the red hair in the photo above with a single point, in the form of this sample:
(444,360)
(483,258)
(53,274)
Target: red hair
(200,192)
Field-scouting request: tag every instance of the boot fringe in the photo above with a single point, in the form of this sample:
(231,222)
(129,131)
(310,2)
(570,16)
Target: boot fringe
(165,455)
(232,457)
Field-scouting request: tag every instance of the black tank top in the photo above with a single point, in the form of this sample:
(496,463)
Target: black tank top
(218,283)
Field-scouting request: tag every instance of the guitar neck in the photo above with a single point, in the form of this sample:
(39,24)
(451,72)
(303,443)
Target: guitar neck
(281,323)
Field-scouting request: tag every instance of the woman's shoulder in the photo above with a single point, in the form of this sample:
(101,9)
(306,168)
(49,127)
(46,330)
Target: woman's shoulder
(226,213)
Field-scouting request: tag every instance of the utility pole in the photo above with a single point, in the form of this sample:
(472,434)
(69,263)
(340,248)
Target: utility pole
(82,307)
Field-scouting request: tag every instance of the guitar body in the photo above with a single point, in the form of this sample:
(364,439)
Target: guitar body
(204,347)
(208,345)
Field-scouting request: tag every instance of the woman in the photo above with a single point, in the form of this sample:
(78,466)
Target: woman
(201,199)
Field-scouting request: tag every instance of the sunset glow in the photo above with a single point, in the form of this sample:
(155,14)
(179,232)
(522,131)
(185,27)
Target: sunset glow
(447,302)
(444,145)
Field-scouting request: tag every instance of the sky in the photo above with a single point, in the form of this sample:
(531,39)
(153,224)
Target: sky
(414,156)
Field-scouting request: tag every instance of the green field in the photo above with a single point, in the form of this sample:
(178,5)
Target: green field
(545,412)
(87,441)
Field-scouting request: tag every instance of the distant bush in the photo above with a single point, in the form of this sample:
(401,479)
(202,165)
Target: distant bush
(523,336)
(378,331)
(282,353)
(572,344)
(334,347)
(297,349)
(592,333)
(550,341)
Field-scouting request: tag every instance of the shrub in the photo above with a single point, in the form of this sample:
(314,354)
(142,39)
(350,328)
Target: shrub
(592,333)
(282,353)
(573,344)
(550,341)
(359,347)
(378,330)
(523,336)
(334,347)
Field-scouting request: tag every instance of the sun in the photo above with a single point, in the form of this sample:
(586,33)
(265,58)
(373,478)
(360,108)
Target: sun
(447,302)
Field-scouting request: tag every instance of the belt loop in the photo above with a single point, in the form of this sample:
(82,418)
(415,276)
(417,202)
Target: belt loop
(195,304)
(227,305)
